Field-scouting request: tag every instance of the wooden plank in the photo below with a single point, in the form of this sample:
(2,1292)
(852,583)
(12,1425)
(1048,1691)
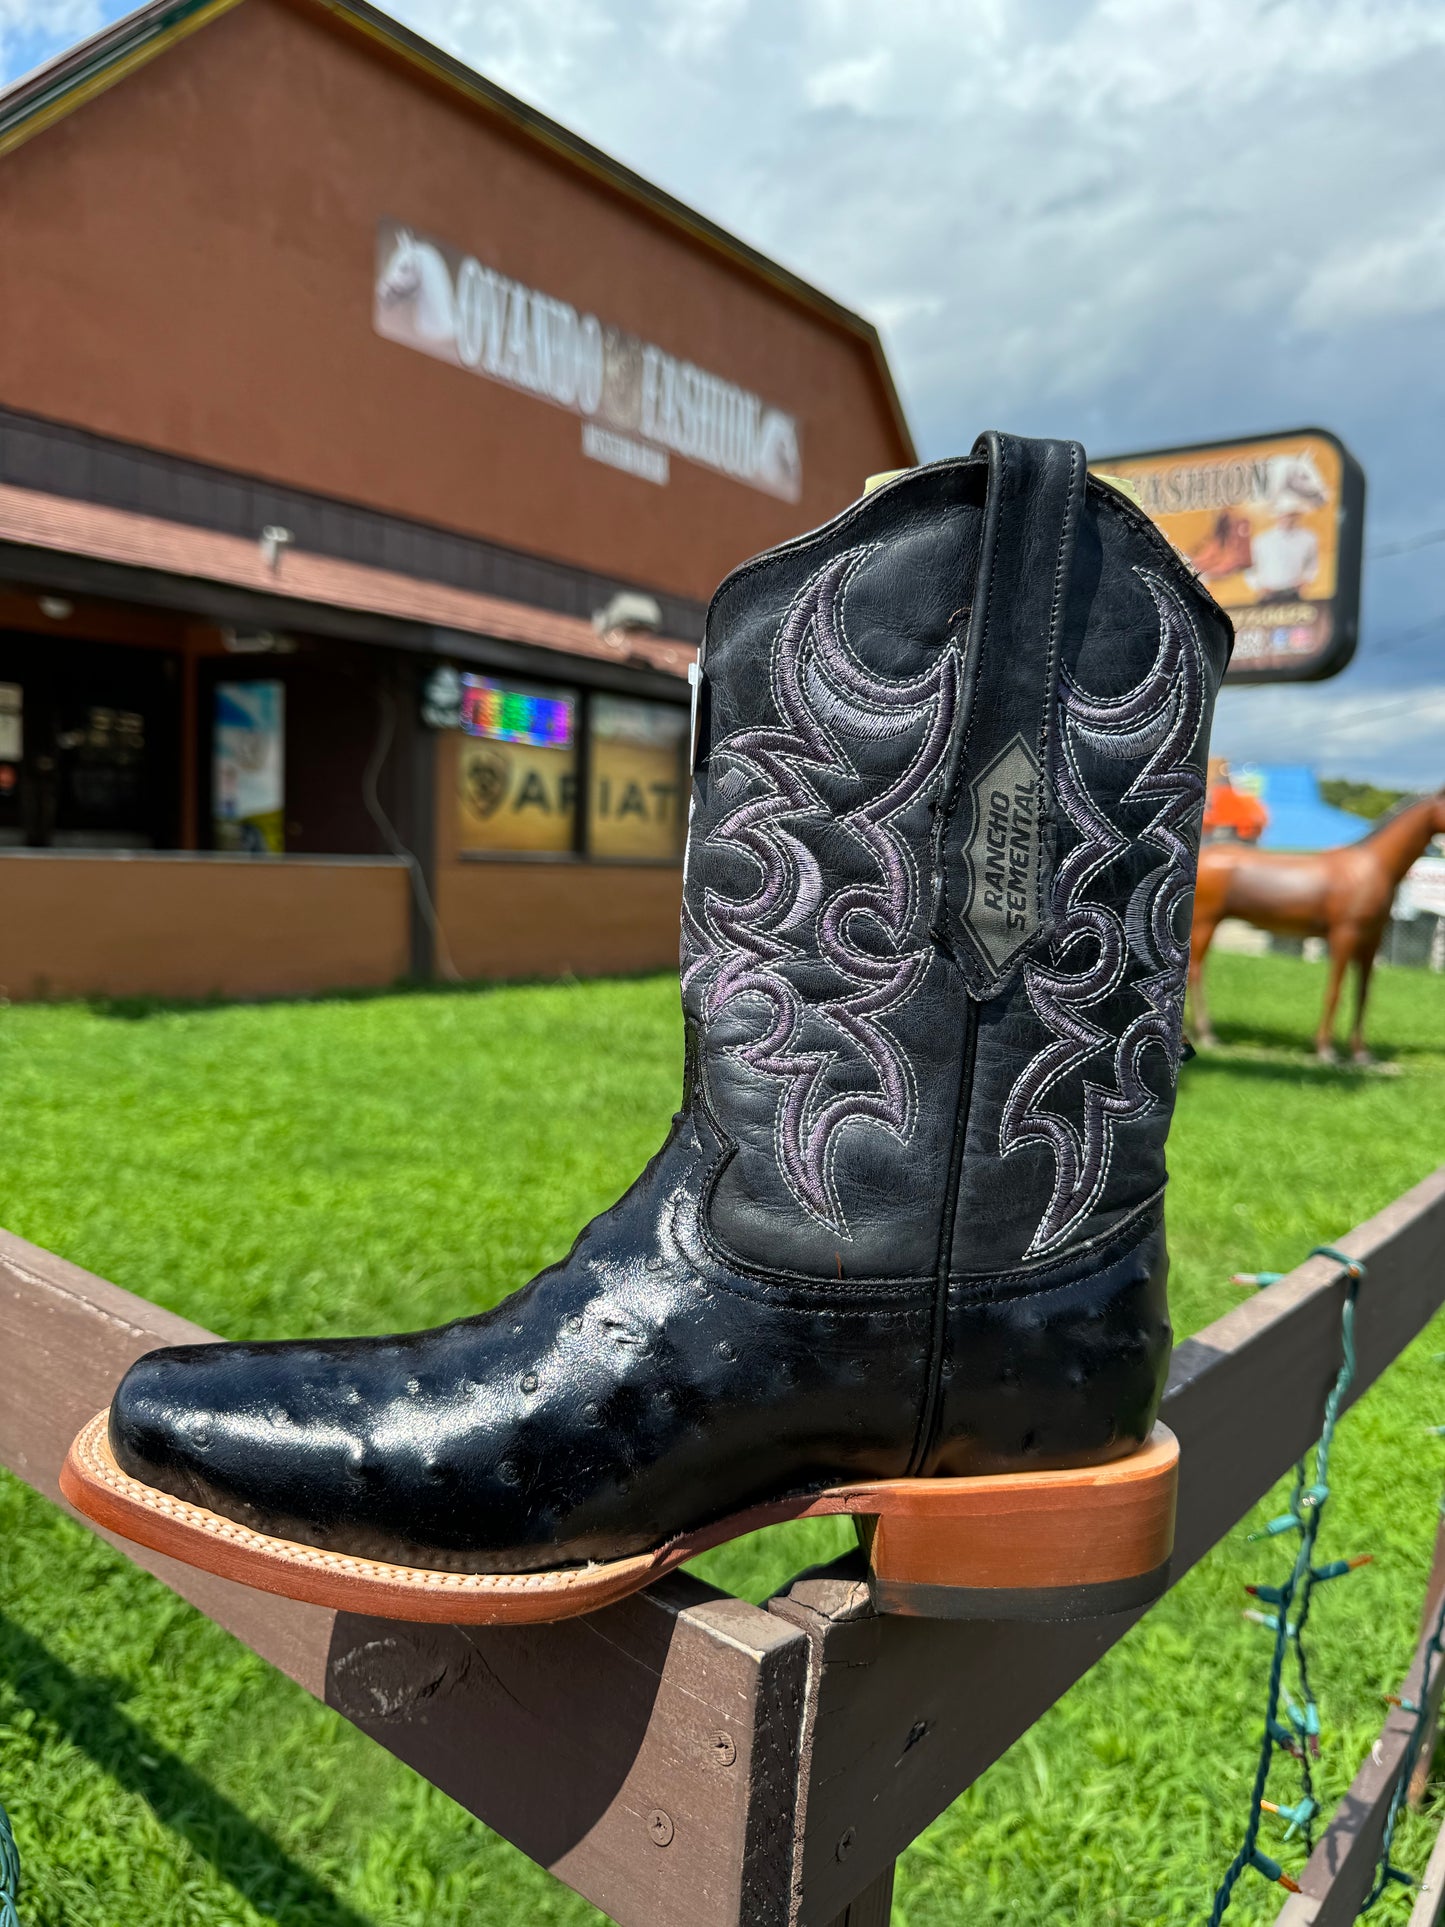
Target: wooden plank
(873,1907)
(902,1714)
(1434,1588)
(646,1755)
(1429,1906)
(1339,1872)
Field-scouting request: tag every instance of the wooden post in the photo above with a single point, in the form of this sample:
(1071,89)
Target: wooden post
(1429,1905)
(873,1907)
(1338,1873)
(1434,1589)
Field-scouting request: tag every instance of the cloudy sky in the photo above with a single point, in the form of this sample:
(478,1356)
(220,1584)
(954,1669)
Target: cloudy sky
(1139,222)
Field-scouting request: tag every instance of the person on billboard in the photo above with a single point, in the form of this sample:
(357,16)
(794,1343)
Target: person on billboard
(1286,553)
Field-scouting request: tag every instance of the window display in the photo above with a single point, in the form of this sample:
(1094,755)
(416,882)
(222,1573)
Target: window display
(637,789)
(517,768)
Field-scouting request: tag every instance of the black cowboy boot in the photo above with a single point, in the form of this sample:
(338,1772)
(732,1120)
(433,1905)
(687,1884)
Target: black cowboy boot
(902,1253)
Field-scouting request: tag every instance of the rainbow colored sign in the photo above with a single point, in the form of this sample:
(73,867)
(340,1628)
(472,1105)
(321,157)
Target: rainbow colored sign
(515,715)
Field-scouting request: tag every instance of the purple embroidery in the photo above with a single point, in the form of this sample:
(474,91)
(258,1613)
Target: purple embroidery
(742,948)
(1092,948)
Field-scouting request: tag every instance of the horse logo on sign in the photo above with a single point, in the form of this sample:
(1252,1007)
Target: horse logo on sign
(415,300)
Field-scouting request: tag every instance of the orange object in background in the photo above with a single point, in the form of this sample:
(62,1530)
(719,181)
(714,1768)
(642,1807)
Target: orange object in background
(1231,815)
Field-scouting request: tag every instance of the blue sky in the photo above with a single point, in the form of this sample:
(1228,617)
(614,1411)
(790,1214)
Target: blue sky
(1139,222)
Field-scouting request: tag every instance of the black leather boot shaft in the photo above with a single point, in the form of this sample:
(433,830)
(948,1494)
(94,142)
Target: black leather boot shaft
(937,902)
(949,777)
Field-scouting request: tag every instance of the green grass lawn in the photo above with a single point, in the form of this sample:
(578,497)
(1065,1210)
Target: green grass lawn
(368,1164)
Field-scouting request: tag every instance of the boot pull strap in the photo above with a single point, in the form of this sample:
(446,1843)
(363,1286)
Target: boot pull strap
(996,855)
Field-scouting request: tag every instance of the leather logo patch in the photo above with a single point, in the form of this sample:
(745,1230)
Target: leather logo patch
(1002,854)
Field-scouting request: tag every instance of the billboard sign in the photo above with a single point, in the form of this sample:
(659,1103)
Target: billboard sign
(639,405)
(1274,526)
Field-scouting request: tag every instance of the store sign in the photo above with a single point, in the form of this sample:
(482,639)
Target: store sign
(516,768)
(637,805)
(514,716)
(250,767)
(1274,526)
(639,405)
(516,799)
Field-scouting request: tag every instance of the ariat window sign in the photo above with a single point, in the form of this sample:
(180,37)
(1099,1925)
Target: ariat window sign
(1003,854)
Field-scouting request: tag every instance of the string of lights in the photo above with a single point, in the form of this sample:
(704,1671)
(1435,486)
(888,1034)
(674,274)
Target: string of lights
(1297,1733)
(9,1874)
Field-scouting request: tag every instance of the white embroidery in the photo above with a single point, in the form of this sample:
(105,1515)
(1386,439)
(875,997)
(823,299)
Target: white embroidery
(767,947)
(1094,952)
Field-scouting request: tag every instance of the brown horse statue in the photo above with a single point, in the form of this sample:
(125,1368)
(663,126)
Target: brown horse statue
(1343,895)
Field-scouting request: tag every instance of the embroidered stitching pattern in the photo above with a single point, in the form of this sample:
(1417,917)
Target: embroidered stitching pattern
(1090,954)
(741,948)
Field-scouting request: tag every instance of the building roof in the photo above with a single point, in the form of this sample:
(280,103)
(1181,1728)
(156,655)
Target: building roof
(31,520)
(39,99)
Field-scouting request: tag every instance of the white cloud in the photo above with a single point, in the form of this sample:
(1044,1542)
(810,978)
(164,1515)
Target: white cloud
(1395,736)
(542,52)
(1137,221)
(1400,272)
(693,29)
(31,30)
(858,81)
(1040,196)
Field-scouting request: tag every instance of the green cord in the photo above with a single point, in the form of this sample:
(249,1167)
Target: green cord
(1386,1871)
(9,1874)
(1306,1511)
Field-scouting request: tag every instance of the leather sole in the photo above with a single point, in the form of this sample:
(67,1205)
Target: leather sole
(1016,1545)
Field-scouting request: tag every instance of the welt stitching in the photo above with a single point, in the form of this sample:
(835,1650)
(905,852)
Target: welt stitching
(916,1290)
(988,609)
(985,585)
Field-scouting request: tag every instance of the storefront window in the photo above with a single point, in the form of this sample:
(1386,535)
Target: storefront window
(250,767)
(637,802)
(12,748)
(517,767)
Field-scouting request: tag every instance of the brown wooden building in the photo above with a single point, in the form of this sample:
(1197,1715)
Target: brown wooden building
(369,448)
